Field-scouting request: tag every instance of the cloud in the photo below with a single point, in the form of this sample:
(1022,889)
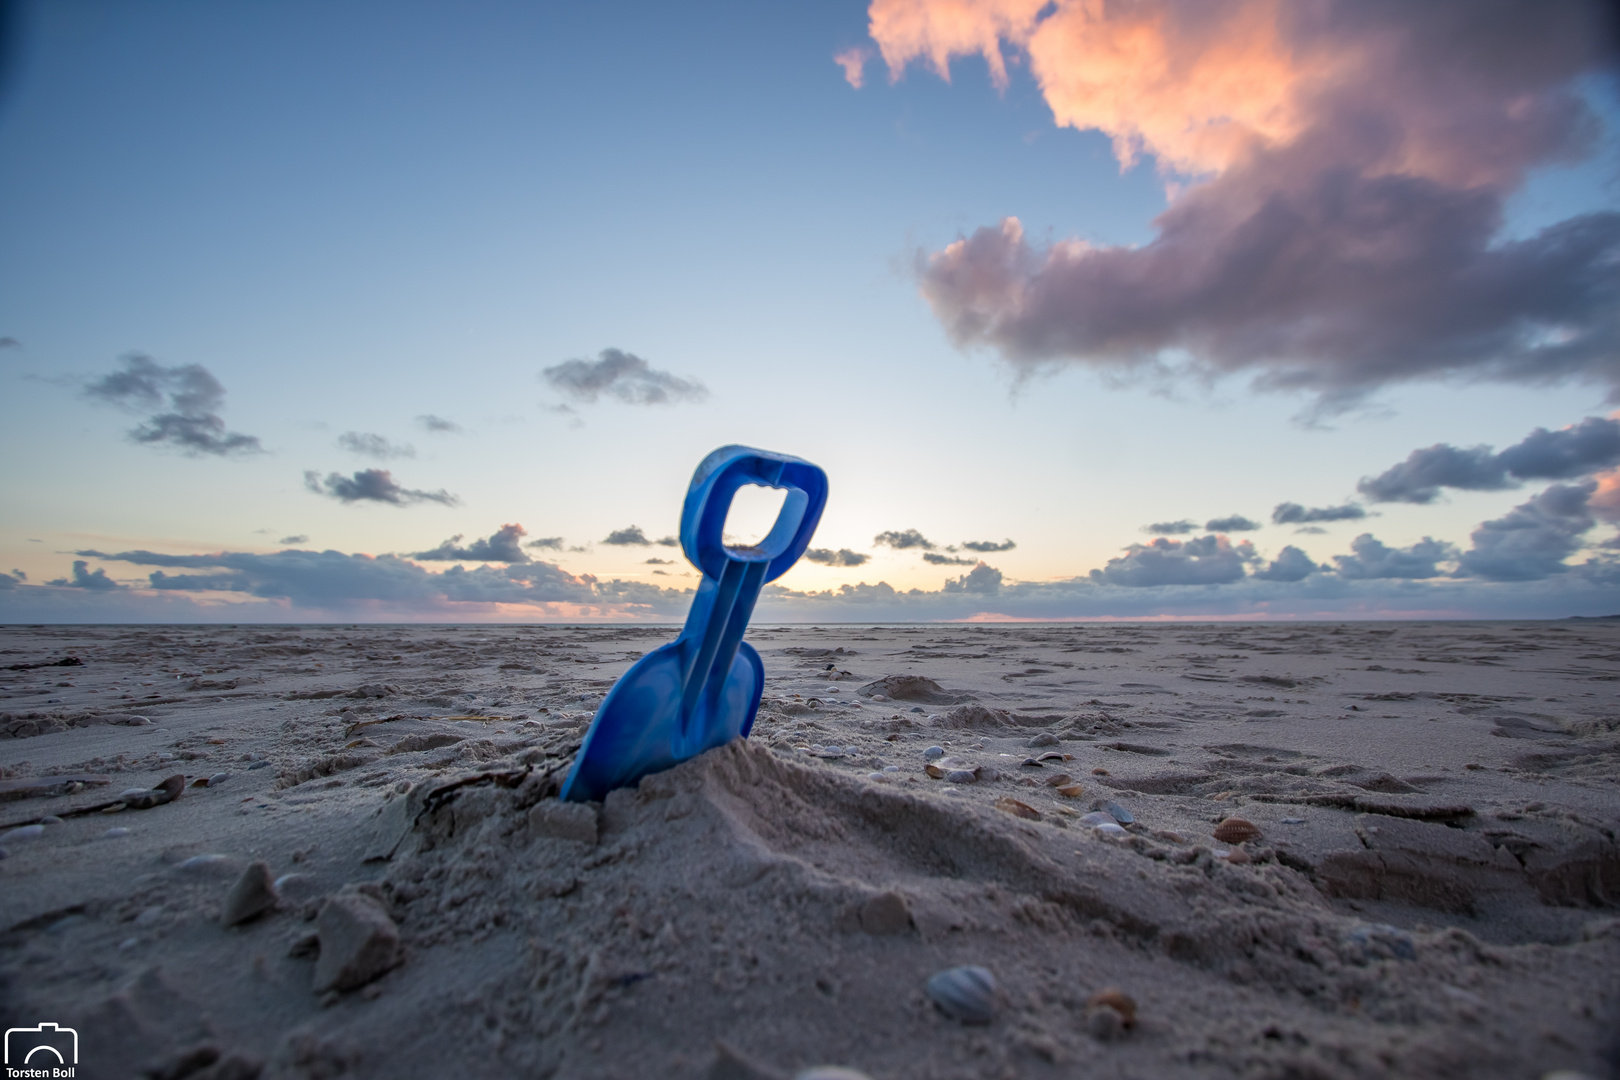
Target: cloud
(1294,514)
(13,343)
(1534,538)
(633,536)
(83,580)
(505,545)
(555,543)
(986,546)
(841,557)
(853,61)
(372,485)
(622,375)
(1291,564)
(1310,530)
(376,446)
(9,581)
(1578,450)
(1203,560)
(429,422)
(1339,172)
(660,562)
(982,580)
(1233,523)
(299,539)
(1372,559)
(947,560)
(194,397)
(332,580)
(910,538)
(1172,528)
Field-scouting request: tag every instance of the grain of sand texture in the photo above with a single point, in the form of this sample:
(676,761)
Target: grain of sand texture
(1431,891)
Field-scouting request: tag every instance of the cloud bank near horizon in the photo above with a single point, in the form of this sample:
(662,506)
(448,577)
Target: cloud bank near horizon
(1339,174)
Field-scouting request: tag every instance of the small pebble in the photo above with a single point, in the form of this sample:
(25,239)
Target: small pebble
(137,721)
(934,752)
(1111,829)
(22,833)
(260,764)
(831,1072)
(962,776)
(1293,821)
(878,776)
(967,994)
(115,832)
(1045,738)
(253,894)
(218,778)
(358,942)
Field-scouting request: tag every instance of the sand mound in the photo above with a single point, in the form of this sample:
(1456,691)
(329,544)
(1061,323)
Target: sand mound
(916,688)
(796,913)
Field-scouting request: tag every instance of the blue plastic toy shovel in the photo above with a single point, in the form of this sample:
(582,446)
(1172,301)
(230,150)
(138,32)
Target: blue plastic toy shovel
(702,689)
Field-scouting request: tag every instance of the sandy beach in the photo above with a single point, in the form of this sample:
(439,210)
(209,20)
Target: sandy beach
(1218,850)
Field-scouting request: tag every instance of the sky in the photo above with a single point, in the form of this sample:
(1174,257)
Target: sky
(1177,309)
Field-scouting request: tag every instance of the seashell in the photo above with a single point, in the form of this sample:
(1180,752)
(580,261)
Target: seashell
(1116,999)
(1293,821)
(1120,814)
(202,862)
(1053,755)
(1059,780)
(967,994)
(1018,809)
(1098,817)
(934,771)
(934,752)
(962,776)
(1235,830)
(1071,791)
(1044,738)
(50,819)
(1030,763)
(22,833)
(1238,857)
(1099,772)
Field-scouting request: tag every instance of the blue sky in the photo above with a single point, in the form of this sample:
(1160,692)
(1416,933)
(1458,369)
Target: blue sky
(354,216)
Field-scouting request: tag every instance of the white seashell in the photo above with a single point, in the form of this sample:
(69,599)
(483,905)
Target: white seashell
(966,993)
(1111,829)
(1098,817)
(202,862)
(878,776)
